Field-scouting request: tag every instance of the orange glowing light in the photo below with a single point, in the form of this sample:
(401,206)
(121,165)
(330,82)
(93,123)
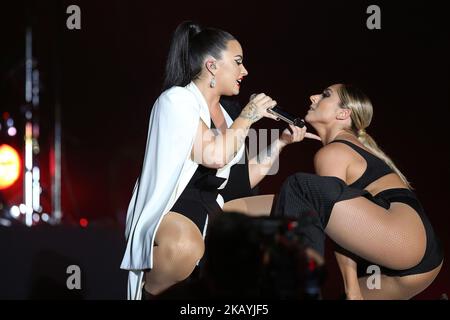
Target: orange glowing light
(9,166)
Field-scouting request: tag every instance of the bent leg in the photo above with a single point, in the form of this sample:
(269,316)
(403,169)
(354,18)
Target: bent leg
(399,288)
(393,238)
(309,199)
(254,206)
(178,247)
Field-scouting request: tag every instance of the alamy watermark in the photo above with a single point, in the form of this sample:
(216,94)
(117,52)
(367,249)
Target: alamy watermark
(74,20)
(374,280)
(374,20)
(74,280)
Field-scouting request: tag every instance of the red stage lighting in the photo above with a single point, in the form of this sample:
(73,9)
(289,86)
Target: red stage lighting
(84,222)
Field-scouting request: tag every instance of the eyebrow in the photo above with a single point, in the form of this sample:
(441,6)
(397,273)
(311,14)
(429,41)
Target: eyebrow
(328,89)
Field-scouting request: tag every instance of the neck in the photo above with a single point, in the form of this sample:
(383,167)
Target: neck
(329,134)
(211,95)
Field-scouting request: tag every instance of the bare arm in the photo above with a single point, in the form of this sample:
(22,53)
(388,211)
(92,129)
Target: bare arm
(349,273)
(260,165)
(331,160)
(216,151)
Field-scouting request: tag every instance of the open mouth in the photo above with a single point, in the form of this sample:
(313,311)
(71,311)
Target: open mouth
(239,81)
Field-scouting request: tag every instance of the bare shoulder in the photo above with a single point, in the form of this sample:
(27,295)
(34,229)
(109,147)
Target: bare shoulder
(336,151)
(333,160)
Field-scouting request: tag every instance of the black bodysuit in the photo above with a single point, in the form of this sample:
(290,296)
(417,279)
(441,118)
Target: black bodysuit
(198,199)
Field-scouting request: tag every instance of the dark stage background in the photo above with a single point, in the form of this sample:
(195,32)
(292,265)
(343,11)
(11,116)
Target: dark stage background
(108,74)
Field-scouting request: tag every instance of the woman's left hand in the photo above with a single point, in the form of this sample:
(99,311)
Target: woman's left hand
(296,134)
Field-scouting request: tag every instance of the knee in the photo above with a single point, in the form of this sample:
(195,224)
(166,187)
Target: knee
(313,187)
(295,182)
(297,177)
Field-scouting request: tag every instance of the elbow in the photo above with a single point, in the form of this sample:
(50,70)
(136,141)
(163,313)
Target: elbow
(214,155)
(208,156)
(214,162)
(219,162)
(215,158)
(216,165)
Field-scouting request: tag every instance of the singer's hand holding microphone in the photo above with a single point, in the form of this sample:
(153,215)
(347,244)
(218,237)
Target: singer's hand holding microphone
(258,106)
(266,107)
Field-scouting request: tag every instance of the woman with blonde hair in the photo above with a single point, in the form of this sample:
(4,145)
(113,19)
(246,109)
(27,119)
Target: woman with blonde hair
(362,201)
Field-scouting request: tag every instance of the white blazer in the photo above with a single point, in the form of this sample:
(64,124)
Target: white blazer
(166,171)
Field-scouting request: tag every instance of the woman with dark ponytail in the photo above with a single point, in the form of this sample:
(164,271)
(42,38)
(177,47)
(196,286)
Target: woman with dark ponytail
(363,202)
(192,144)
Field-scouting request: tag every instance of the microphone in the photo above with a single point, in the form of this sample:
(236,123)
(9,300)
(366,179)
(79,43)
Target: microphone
(284,115)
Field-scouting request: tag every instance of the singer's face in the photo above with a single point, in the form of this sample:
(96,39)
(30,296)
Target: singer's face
(324,107)
(231,70)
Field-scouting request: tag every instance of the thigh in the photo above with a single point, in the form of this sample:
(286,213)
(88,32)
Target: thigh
(175,227)
(416,283)
(398,288)
(393,238)
(389,289)
(255,206)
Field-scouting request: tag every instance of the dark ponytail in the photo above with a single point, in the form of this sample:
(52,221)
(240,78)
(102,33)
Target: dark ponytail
(189,46)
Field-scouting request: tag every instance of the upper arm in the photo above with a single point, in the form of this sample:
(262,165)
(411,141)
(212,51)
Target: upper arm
(204,149)
(332,160)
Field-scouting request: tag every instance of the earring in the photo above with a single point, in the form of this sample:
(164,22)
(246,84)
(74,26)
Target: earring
(212,84)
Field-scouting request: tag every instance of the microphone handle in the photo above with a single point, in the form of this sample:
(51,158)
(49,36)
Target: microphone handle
(284,115)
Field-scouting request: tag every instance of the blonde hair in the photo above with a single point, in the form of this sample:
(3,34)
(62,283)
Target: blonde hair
(362,111)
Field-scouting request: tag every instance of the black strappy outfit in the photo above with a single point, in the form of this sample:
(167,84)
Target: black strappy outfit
(377,168)
(310,198)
